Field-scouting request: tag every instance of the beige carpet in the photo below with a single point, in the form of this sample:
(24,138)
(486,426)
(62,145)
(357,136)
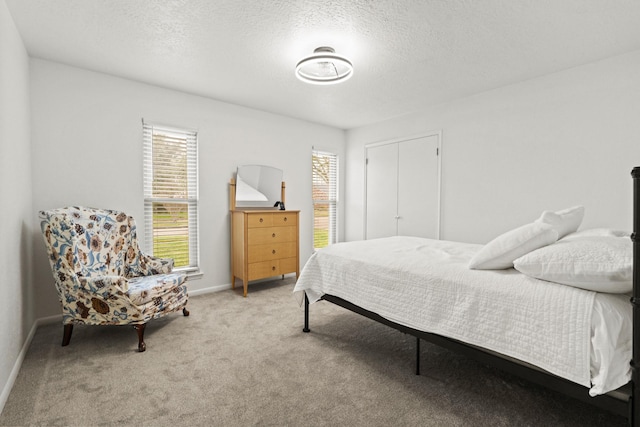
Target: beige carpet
(244,361)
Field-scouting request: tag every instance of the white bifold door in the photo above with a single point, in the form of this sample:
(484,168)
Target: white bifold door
(403,188)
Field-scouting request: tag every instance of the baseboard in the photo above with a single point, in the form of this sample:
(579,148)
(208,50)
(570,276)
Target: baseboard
(56,318)
(227,286)
(209,290)
(16,366)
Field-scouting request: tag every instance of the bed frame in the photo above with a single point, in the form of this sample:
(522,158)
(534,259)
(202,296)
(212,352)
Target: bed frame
(624,401)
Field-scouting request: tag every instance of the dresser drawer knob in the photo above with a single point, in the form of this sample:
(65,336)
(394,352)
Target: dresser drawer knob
(273,251)
(261,220)
(273,235)
(285,219)
(273,268)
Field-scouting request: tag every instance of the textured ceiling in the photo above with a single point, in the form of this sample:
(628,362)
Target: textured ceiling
(407,54)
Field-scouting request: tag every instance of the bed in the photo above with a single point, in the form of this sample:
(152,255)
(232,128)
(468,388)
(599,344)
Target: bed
(547,301)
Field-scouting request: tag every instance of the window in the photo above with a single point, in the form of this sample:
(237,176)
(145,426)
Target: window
(325,198)
(171,194)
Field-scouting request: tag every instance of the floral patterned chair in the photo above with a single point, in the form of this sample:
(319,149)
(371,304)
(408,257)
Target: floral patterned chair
(101,275)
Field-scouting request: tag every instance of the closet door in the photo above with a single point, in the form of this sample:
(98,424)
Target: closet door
(418,187)
(382,191)
(402,188)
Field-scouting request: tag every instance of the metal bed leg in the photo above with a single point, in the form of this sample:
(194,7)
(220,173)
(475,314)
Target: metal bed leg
(306,314)
(634,404)
(417,355)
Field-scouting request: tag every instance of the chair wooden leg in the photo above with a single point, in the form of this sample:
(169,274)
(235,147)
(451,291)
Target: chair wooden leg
(66,335)
(141,345)
(185,311)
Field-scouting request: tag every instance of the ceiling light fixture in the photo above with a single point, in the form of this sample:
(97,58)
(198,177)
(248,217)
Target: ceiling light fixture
(324,67)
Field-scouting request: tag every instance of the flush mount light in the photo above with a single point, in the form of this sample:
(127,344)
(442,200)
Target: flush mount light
(324,67)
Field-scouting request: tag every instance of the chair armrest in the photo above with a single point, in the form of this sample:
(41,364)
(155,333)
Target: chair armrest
(105,285)
(150,265)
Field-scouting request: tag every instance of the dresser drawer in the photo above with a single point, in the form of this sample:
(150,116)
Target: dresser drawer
(271,251)
(268,219)
(259,270)
(288,265)
(261,236)
(284,218)
(260,220)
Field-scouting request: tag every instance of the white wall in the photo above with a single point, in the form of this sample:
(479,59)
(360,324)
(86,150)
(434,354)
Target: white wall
(16,224)
(87,150)
(545,144)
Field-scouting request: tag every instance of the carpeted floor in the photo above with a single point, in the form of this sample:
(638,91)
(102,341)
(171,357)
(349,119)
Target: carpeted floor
(244,361)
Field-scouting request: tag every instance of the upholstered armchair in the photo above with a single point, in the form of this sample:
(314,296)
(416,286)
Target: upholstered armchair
(101,275)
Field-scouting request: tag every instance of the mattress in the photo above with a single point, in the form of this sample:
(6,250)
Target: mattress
(579,335)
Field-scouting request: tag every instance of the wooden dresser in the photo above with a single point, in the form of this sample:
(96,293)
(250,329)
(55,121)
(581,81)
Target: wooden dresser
(264,243)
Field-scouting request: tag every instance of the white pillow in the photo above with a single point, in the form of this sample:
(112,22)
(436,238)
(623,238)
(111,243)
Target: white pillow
(564,221)
(603,232)
(595,263)
(500,252)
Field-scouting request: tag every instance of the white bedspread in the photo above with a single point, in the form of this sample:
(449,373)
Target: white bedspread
(425,284)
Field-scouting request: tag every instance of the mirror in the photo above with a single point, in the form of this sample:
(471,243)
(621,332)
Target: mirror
(258,186)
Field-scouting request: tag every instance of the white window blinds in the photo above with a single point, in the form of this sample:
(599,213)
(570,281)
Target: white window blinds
(171,194)
(325,198)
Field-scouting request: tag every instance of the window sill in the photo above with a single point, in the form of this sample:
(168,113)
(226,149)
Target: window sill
(191,273)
